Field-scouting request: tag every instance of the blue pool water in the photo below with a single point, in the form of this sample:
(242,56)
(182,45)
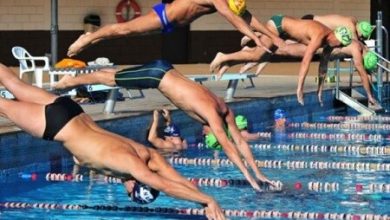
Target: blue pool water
(295,196)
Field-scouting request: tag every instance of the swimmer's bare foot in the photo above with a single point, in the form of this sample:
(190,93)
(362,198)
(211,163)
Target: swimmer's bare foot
(260,68)
(247,67)
(78,45)
(222,70)
(216,63)
(64,82)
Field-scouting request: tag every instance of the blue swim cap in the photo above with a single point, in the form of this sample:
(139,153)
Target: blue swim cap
(172,131)
(279,113)
(143,194)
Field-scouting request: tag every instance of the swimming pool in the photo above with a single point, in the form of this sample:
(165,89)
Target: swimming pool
(321,176)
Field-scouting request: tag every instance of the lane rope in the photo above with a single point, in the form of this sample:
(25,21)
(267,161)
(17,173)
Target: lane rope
(314,186)
(279,164)
(197,212)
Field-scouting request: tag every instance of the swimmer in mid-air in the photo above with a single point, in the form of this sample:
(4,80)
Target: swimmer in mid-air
(194,99)
(310,33)
(51,117)
(166,16)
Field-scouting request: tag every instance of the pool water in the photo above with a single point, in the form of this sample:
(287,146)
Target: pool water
(301,191)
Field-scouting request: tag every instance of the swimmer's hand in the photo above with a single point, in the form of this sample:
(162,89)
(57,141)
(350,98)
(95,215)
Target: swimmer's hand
(259,44)
(213,211)
(300,97)
(78,45)
(245,40)
(264,180)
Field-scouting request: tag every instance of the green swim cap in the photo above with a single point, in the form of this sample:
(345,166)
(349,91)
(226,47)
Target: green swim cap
(370,61)
(241,122)
(344,35)
(365,29)
(212,142)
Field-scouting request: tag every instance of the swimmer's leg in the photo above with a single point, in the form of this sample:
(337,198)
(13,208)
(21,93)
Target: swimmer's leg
(104,76)
(23,91)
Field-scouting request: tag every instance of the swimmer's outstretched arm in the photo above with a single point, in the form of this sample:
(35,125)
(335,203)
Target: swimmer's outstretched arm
(133,165)
(253,22)
(313,46)
(239,23)
(153,137)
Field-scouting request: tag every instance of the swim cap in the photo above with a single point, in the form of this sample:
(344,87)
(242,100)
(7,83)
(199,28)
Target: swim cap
(238,7)
(344,35)
(365,29)
(172,131)
(370,61)
(241,122)
(212,142)
(143,194)
(279,113)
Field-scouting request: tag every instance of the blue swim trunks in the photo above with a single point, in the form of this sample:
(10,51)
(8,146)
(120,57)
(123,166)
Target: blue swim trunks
(160,10)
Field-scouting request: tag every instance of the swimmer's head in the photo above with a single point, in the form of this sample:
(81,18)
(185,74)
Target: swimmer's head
(279,114)
(241,122)
(141,193)
(172,130)
(344,35)
(370,61)
(238,7)
(365,29)
(212,142)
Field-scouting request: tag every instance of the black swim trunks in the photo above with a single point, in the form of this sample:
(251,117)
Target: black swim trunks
(58,114)
(147,76)
(308,17)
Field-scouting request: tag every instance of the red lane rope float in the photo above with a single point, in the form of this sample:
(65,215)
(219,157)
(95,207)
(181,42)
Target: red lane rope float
(349,126)
(335,118)
(218,182)
(278,164)
(125,6)
(295,214)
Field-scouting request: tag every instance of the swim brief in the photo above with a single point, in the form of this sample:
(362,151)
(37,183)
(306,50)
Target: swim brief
(277,19)
(308,17)
(161,12)
(58,114)
(147,76)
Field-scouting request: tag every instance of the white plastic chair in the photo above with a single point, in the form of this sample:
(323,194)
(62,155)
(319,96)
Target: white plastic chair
(27,64)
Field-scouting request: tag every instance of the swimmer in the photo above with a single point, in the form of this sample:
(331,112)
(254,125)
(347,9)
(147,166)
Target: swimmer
(242,125)
(194,99)
(280,119)
(365,62)
(166,16)
(310,33)
(172,139)
(361,30)
(55,118)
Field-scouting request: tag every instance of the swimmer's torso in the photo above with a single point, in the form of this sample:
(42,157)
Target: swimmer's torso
(312,29)
(187,95)
(96,148)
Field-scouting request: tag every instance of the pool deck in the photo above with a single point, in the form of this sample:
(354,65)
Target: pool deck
(277,79)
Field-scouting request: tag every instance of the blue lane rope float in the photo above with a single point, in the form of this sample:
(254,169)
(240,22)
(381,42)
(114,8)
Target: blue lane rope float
(314,186)
(279,164)
(269,214)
